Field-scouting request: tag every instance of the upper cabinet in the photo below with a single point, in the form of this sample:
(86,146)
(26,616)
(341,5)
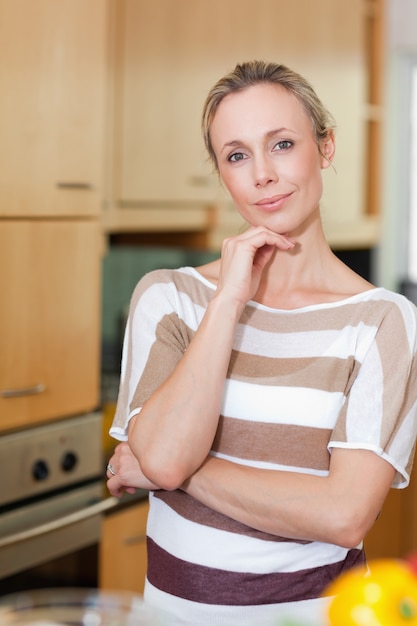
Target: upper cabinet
(166,57)
(53,63)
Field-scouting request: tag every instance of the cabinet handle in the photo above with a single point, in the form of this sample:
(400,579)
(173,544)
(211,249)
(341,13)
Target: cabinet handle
(24,391)
(131,541)
(75,185)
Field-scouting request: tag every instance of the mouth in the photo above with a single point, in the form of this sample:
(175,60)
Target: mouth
(274,203)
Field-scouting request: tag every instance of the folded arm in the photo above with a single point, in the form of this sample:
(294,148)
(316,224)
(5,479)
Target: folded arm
(339,508)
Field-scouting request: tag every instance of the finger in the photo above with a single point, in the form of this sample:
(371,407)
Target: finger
(264,254)
(256,230)
(110,470)
(261,236)
(114,488)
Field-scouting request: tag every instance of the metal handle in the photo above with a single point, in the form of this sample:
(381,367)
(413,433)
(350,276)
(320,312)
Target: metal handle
(72,518)
(24,391)
(74,185)
(131,541)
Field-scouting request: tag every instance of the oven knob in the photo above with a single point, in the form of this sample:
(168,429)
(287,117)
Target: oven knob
(69,461)
(40,470)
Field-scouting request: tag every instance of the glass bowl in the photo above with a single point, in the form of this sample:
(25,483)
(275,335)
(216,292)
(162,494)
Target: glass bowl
(76,607)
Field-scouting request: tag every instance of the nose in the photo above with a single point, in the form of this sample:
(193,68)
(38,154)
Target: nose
(264,171)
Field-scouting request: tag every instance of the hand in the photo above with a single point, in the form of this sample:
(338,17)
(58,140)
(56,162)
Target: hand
(128,475)
(244,259)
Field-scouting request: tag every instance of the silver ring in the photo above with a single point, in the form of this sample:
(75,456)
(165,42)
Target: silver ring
(111,470)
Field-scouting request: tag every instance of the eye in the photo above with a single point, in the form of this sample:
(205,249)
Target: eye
(236,156)
(284,144)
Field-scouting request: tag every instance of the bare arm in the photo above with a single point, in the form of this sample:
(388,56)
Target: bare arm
(173,433)
(340,508)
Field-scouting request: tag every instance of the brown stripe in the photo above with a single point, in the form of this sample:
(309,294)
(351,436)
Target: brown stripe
(172,339)
(199,292)
(283,444)
(195,511)
(323,319)
(199,583)
(409,400)
(324,373)
(394,374)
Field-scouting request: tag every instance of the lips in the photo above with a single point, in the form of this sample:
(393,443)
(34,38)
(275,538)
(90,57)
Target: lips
(274,203)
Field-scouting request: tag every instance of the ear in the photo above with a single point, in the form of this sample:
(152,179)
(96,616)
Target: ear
(327,150)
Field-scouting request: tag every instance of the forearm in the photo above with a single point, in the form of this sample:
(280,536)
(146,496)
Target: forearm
(275,502)
(173,433)
(339,508)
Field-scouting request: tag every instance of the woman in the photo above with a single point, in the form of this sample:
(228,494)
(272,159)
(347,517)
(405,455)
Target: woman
(268,398)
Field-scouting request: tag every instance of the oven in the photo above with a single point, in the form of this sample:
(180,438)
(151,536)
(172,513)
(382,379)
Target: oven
(52,501)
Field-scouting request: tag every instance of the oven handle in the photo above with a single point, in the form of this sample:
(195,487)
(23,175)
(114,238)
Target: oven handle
(67,520)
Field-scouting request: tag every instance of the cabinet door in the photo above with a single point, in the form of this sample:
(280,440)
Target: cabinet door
(123,558)
(386,538)
(49,320)
(170,53)
(394,534)
(53,59)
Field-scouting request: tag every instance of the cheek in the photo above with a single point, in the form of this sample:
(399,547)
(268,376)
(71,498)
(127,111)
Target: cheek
(234,182)
(309,171)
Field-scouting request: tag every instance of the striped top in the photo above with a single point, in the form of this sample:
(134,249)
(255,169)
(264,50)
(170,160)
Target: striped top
(342,374)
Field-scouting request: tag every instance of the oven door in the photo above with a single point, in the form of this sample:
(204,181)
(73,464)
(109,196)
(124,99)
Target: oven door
(35,533)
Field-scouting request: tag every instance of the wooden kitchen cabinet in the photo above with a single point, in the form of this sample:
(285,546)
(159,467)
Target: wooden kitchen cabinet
(53,64)
(386,538)
(122,554)
(394,534)
(166,55)
(49,319)
(411,514)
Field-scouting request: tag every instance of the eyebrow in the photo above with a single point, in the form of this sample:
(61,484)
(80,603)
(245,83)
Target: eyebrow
(271,133)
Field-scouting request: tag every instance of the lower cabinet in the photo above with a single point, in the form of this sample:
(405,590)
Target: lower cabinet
(394,534)
(49,319)
(122,555)
(385,538)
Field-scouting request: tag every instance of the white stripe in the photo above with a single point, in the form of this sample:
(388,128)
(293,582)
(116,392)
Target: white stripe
(365,409)
(339,343)
(121,433)
(287,405)
(194,543)
(269,466)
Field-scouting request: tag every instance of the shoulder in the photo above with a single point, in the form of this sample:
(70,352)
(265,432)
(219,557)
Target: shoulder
(393,300)
(156,277)
(172,285)
(166,278)
(396,312)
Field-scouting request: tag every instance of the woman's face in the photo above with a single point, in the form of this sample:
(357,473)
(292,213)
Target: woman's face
(268,157)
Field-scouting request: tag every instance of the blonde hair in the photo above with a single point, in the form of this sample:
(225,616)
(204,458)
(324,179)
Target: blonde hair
(252,73)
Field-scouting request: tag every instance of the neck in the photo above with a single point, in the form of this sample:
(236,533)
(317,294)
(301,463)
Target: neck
(307,271)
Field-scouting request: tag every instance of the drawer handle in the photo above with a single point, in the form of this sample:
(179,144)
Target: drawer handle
(24,391)
(56,524)
(74,185)
(131,541)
